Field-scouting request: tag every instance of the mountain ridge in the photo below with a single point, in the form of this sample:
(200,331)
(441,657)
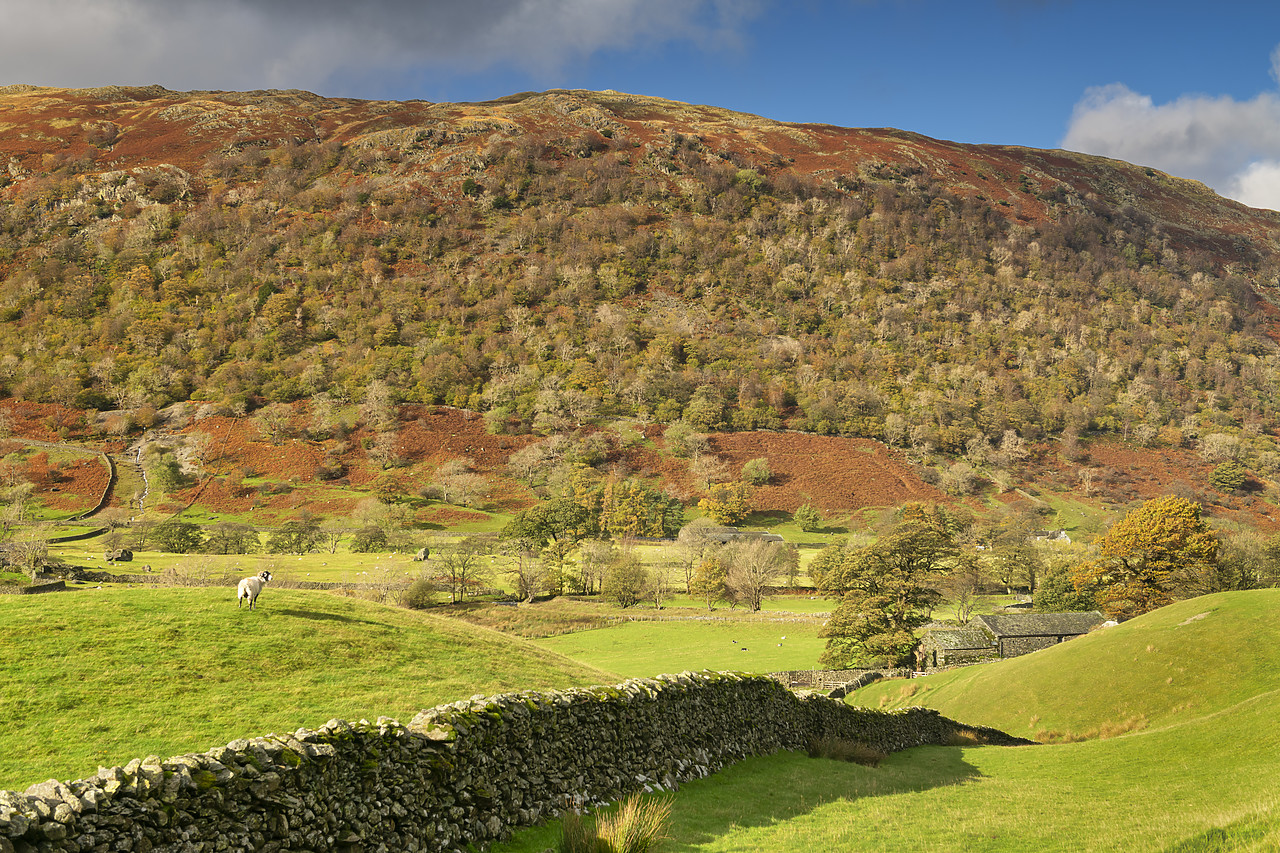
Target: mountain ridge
(563,257)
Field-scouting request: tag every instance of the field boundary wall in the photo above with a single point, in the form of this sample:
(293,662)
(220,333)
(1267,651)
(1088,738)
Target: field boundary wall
(464,773)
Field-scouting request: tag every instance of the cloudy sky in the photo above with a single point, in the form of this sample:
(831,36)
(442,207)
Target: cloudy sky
(1192,88)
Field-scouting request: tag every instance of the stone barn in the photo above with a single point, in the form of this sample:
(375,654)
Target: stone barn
(1002,635)
(943,647)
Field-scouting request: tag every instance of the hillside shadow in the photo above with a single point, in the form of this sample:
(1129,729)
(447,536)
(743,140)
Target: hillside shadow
(790,785)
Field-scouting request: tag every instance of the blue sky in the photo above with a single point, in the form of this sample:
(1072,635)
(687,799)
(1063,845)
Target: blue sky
(1187,87)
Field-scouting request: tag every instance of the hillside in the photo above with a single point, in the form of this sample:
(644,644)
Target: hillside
(1190,661)
(100,676)
(560,259)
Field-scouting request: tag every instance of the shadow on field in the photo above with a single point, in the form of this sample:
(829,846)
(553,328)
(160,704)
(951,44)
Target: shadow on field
(329,617)
(760,792)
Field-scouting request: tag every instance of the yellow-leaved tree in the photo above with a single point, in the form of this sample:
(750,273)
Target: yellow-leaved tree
(1147,557)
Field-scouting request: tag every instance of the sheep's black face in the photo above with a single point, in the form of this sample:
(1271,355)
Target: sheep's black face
(266,576)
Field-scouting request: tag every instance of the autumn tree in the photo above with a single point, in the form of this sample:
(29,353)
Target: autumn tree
(1149,558)
(694,542)
(728,503)
(886,591)
(709,581)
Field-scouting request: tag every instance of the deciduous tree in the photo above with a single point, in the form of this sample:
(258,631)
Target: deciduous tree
(1148,556)
(887,590)
(753,568)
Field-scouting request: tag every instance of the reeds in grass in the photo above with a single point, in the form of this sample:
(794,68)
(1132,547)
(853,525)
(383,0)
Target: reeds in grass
(637,826)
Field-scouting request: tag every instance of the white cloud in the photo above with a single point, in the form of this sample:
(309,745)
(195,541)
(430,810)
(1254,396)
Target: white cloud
(1258,185)
(320,44)
(1231,145)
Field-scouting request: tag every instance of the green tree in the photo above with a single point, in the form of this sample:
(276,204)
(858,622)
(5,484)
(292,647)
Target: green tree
(756,471)
(626,581)
(177,537)
(1057,593)
(231,538)
(807,519)
(1159,551)
(887,590)
(1228,477)
(296,537)
(369,539)
(556,527)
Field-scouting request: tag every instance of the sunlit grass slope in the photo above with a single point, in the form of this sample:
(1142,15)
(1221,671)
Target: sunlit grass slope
(1178,663)
(643,649)
(1209,785)
(101,676)
(1203,776)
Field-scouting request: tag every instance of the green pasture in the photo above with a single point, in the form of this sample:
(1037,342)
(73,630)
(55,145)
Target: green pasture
(642,649)
(100,676)
(1212,785)
(1183,661)
(1201,775)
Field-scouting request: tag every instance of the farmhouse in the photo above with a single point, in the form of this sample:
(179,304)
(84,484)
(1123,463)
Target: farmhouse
(1003,635)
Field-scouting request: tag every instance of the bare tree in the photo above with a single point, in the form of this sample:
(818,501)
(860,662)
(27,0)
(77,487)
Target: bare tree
(528,570)
(754,567)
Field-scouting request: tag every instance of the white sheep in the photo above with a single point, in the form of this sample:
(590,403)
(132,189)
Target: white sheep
(250,589)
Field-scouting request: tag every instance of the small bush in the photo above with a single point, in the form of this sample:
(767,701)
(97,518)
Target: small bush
(853,751)
(808,519)
(420,595)
(757,472)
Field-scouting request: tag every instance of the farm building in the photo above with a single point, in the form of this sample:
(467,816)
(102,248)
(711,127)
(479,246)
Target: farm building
(724,535)
(1003,635)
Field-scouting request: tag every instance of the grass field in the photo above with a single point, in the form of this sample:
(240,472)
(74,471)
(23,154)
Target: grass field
(1202,776)
(642,649)
(101,676)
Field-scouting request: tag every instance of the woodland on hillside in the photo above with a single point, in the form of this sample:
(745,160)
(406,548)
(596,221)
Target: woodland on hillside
(559,280)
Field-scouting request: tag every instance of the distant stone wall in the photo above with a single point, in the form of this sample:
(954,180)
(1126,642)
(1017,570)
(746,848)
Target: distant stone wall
(459,774)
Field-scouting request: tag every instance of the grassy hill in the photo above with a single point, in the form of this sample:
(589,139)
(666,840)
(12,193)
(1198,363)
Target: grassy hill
(101,676)
(1201,777)
(1189,660)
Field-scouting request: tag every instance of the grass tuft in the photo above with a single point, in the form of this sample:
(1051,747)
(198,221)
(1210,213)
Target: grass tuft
(639,824)
(839,749)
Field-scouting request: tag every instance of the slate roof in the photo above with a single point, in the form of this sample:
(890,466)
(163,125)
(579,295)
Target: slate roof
(1040,624)
(956,639)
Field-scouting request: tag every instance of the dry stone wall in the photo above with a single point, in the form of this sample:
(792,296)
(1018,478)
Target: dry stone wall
(458,774)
